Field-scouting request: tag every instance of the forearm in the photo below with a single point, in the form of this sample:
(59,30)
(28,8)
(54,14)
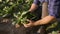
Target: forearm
(44,21)
(33,7)
(44,9)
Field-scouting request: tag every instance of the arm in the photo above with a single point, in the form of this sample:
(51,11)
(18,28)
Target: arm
(45,20)
(33,7)
(44,9)
(45,16)
(53,14)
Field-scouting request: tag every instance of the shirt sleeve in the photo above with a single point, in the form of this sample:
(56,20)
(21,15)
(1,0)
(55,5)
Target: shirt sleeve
(54,8)
(37,2)
(46,0)
(42,1)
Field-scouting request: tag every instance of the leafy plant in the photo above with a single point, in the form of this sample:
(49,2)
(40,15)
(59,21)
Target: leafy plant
(14,8)
(18,11)
(24,16)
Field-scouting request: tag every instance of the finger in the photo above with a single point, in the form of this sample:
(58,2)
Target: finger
(29,20)
(25,25)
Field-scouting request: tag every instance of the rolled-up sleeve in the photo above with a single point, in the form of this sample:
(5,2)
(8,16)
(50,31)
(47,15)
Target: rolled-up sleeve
(54,8)
(37,2)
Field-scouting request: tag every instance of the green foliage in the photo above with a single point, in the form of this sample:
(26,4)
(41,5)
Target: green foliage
(54,32)
(24,16)
(18,11)
(14,8)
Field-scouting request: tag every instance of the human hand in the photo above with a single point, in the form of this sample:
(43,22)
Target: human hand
(30,24)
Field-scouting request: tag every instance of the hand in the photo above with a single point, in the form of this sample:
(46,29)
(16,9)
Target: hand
(30,24)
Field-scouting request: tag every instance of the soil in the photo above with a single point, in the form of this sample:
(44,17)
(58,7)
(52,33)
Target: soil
(6,27)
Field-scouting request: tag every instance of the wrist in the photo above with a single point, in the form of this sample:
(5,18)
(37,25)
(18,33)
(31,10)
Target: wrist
(34,24)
